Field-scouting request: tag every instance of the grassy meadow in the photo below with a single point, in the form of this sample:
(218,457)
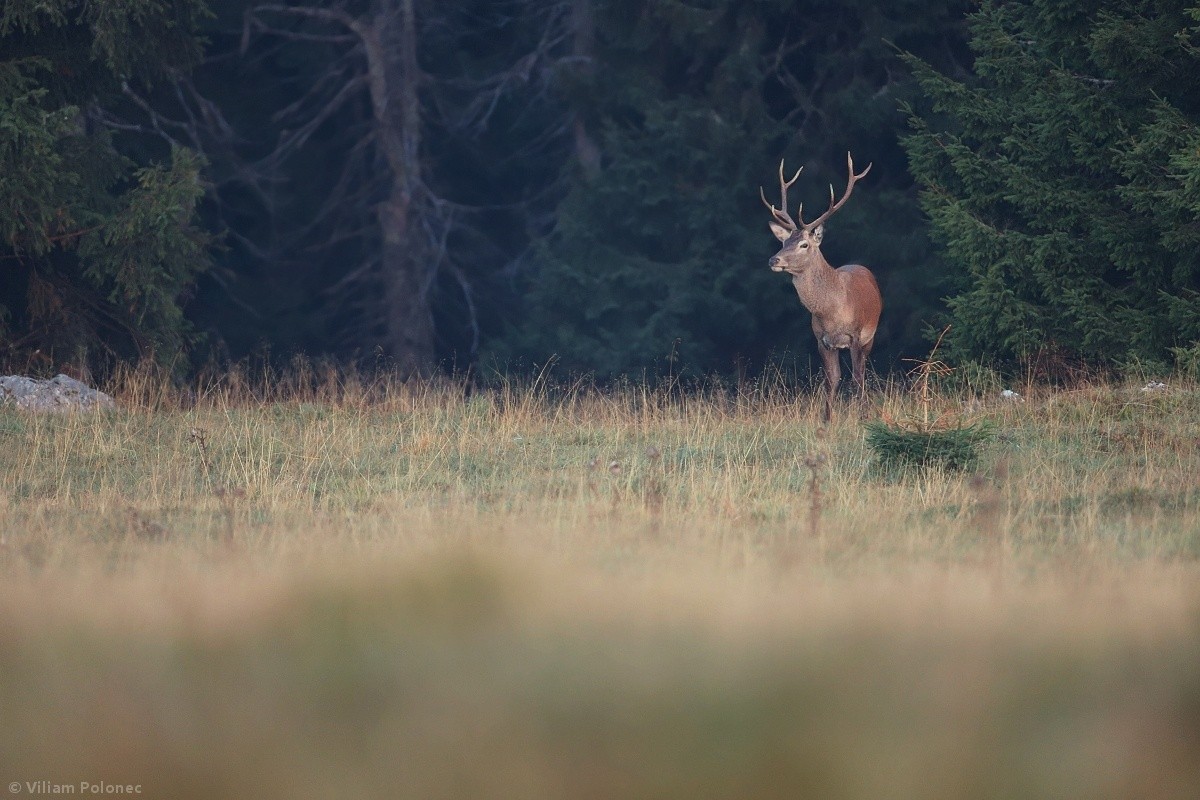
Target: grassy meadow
(333,589)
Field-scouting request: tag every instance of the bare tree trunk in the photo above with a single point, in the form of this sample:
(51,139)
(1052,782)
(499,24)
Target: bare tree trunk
(408,335)
(583,32)
(407,271)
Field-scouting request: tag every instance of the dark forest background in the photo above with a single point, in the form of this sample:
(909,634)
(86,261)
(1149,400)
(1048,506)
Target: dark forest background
(496,185)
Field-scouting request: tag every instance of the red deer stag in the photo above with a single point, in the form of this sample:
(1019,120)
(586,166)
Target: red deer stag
(845,302)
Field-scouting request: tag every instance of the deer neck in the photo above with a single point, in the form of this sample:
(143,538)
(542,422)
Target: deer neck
(818,285)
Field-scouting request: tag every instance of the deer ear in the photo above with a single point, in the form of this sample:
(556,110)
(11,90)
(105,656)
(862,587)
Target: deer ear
(817,234)
(781,233)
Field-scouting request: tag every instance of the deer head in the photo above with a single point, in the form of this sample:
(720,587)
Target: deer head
(802,242)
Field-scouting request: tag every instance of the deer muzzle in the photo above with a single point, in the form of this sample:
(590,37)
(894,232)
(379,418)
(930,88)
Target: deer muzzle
(776,264)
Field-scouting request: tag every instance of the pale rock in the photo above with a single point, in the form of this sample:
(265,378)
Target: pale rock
(57,395)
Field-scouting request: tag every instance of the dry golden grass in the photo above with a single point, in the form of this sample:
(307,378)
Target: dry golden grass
(353,590)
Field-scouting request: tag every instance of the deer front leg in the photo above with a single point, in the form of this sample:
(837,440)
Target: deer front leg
(833,376)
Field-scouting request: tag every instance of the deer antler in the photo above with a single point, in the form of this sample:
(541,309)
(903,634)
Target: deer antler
(834,206)
(781,214)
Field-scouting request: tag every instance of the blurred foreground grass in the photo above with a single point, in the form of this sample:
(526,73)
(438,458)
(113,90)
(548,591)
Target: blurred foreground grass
(350,591)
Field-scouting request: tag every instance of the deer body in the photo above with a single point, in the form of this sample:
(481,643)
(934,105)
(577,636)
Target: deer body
(845,302)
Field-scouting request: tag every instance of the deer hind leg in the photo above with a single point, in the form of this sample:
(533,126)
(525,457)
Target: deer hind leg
(858,364)
(833,376)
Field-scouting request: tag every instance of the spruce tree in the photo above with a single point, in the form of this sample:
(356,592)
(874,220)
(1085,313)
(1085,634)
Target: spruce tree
(1061,179)
(98,249)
